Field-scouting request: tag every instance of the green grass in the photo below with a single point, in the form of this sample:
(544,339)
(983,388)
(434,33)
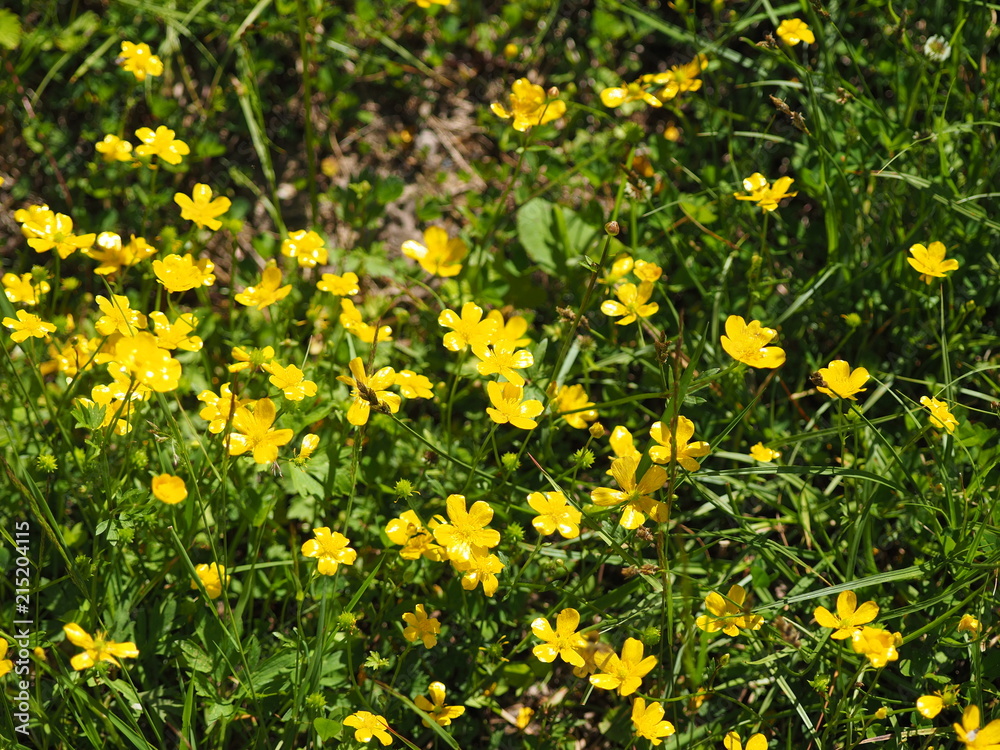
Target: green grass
(371,123)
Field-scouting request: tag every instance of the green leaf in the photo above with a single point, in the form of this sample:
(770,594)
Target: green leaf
(327,729)
(10,29)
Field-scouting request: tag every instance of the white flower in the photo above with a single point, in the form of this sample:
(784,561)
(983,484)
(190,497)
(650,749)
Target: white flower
(937,48)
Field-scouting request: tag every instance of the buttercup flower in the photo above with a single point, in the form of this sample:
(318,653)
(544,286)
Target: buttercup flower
(621,267)
(169,489)
(501,359)
(748,343)
(308,248)
(466,534)
(96,648)
(649,723)
(680,79)
(416,541)
(940,417)
(112,255)
(633,302)
(113,148)
(637,496)
(33,219)
(212,577)
(267,292)
(838,381)
(930,706)
(369,392)
(762,453)
(48,231)
(756,742)
(508,405)
(178,273)
(877,644)
(419,625)
(479,569)
(291,380)
(624,674)
(429,3)
(571,403)
(28,325)
(139,60)
(969,624)
(623,444)
(253,431)
(440,255)
(439,712)
(342,286)
(176,335)
(529,105)
(764,194)
(200,208)
(554,513)
(468,330)
(147,362)
(330,550)
(219,409)
(161,143)
(412,385)
(645,271)
(728,613)
(849,618)
(563,642)
(686,451)
(6,665)
(310,442)
(616,96)
(118,316)
(24,288)
(987,738)
(512,331)
(795,30)
(367,725)
(929,261)
(247,359)
(350,318)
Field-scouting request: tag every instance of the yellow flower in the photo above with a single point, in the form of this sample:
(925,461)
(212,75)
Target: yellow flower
(176,335)
(728,613)
(253,431)
(118,316)
(563,642)
(309,249)
(679,79)
(291,380)
(412,385)
(96,648)
(28,325)
(748,343)
(940,417)
(466,534)
(763,193)
(571,403)
(987,738)
(929,261)
(49,231)
(529,105)
(250,359)
(839,381)
(649,723)
(33,219)
(213,577)
(511,331)
(419,625)
(161,143)
(342,286)
(877,644)
(621,267)
(794,30)
(440,255)
(138,60)
(624,674)
(762,453)
(616,96)
(200,208)
(219,409)
(310,442)
(524,716)
(468,330)
(24,288)
(178,273)
(633,302)
(645,271)
(330,550)
(408,532)
(849,618)
(756,742)
(623,444)
(113,256)
(677,446)
(969,624)
(554,513)
(169,489)
(508,406)
(435,707)
(930,706)
(267,292)
(429,3)
(113,148)
(6,665)
(148,363)
(479,569)
(350,319)
(367,725)
(501,359)
(369,392)
(637,496)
